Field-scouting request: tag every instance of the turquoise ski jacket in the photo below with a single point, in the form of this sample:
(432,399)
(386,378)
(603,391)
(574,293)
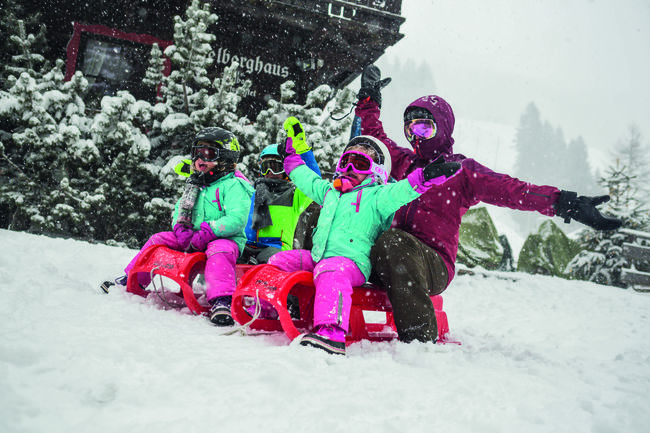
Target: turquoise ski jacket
(350,223)
(224,205)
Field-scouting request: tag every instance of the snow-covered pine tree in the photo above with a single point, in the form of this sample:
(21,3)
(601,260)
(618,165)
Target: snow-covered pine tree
(186,88)
(527,141)
(577,171)
(26,123)
(602,259)
(635,155)
(44,152)
(222,106)
(23,42)
(543,157)
(154,76)
(126,177)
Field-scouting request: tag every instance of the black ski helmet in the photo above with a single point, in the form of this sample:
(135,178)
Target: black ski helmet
(223,139)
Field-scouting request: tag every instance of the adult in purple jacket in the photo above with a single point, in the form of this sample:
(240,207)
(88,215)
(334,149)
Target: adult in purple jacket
(416,257)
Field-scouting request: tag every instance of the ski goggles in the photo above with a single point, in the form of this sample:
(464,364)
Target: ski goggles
(420,128)
(207,153)
(274,166)
(360,163)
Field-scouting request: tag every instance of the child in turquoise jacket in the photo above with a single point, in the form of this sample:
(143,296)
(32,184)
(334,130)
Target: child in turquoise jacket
(356,208)
(211,217)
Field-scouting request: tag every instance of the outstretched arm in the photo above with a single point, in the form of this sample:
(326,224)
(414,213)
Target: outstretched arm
(502,190)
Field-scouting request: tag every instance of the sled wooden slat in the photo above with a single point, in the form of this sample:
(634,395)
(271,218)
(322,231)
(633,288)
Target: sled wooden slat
(637,255)
(636,252)
(631,276)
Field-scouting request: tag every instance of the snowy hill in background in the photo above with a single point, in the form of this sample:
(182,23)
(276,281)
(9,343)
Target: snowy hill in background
(538,354)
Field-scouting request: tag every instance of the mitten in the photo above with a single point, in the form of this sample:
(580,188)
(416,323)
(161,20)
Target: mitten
(439,171)
(371,84)
(296,132)
(183,235)
(203,237)
(583,209)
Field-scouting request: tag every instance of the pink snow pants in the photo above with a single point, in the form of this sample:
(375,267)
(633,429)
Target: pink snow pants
(334,278)
(220,271)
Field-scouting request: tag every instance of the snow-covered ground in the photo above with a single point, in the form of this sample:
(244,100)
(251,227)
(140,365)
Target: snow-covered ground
(538,354)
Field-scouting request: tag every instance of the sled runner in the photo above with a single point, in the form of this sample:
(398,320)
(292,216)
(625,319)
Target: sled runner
(267,283)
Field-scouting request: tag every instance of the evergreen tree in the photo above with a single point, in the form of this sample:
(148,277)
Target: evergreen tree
(154,76)
(23,43)
(578,176)
(635,155)
(602,259)
(222,106)
(186,88)
(527,141)
(43,150)
(543,157)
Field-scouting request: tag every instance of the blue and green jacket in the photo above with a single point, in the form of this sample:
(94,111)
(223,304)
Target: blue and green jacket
(285,204)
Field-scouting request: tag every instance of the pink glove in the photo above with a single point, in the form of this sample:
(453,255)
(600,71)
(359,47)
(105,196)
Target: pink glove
(291,158)
(203,237)
(183,235)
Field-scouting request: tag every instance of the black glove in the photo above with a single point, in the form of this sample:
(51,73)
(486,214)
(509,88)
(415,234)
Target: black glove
(583,209)
(371,84)
(439,168)
(282,148)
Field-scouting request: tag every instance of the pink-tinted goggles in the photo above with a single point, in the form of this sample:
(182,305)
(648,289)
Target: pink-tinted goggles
(360,162)
(420,128)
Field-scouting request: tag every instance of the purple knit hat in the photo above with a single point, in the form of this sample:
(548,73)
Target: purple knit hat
(442,143)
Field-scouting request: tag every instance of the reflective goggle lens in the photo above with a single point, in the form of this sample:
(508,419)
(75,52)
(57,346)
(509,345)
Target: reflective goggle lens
(206,153)
(272,165)
(421,128)
(360,162)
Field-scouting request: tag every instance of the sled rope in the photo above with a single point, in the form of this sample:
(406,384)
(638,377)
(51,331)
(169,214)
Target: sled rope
(242,328)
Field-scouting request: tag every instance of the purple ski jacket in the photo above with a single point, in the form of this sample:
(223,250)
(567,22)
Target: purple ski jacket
(435,217)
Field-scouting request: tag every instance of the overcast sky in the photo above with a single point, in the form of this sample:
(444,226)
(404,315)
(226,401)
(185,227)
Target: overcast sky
(585,64)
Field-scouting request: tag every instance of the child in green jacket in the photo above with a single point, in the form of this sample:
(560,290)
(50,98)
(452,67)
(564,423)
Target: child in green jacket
(356,208)
(211,217)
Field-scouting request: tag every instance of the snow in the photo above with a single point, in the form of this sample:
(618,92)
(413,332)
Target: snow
(538,354)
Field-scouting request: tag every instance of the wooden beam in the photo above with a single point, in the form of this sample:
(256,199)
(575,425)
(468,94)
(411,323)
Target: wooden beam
(637,233)
(631,276)
(636,252)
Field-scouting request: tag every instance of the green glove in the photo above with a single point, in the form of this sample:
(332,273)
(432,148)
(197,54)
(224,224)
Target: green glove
(294,129)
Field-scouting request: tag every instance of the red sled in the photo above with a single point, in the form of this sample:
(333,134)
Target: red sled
(268,283)
(183,268)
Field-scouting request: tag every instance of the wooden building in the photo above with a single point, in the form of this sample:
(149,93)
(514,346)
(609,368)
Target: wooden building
(311,42)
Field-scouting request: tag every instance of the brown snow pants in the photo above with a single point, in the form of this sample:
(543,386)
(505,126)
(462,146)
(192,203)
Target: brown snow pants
(411,272)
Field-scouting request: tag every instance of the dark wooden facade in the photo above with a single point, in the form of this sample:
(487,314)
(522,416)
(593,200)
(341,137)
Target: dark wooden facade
(309,42)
